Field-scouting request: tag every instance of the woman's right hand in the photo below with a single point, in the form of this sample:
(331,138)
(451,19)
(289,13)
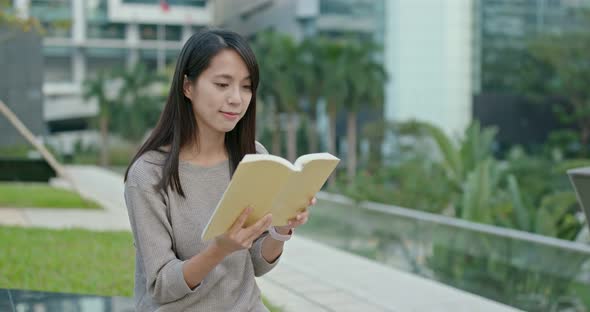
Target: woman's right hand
(239,237)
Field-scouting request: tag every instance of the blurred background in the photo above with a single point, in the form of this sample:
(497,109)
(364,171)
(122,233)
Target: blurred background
(455,121)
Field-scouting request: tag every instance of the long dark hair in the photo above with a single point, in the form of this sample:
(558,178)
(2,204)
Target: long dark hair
(177,126)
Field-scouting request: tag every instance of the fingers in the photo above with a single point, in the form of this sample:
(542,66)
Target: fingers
(239,223)
(313,201)
(259,227)
(300,219)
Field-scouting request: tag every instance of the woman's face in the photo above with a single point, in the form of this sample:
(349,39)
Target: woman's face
(222,93)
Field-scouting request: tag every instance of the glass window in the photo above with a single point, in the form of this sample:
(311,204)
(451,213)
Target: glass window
(148,32)
(195,3)
(149,58)
(104,59)
(106,31)
(96,10)
(98,24)
(171,57)
(57,64)
(172,33)
(55,16)
(357,8)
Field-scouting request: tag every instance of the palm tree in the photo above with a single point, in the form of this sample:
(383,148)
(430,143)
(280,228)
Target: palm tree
(365,79)
(140,101)
(312,54)
(287,87)
(96,88)
(262,47)
(335,88)
(280,82)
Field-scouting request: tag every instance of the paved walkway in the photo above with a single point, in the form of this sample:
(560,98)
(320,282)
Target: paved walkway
(102,186)
(311,276)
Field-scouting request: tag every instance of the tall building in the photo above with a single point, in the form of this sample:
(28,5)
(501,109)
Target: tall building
(504,25)
(442,53)
(428,46)
(20,88)
(86,36)
(301,18)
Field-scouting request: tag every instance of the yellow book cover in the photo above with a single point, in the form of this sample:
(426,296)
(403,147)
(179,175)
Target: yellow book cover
(270,184)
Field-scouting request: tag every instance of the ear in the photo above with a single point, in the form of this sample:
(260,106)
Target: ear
(187,87)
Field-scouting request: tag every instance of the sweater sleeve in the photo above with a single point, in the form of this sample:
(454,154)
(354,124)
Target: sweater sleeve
(261,266)
(152,234)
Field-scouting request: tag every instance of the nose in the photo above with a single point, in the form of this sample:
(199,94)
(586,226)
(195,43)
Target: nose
(235,96)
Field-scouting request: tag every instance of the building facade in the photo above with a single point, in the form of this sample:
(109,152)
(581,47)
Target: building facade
(84,37)
(21,85)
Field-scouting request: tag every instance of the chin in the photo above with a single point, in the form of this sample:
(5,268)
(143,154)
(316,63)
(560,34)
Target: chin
(227,129)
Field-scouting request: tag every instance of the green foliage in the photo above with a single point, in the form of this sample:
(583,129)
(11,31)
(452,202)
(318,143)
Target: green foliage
(129,104)
(368,91)
(568,77)
(24,151)
(551,66)
(139,101)
(302,138)
(135,106)
(280,58)
(96,88)
(478,196)
(270,306)
(8,17)
(463,178)
(316,68)
(416,183)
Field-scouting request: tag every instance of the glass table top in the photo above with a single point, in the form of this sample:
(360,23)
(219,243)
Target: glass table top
(18,300)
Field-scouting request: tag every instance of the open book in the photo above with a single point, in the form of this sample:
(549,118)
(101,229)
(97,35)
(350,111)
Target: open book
(272,184)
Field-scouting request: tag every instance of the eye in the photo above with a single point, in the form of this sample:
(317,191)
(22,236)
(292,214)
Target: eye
(222,85)
(249,87)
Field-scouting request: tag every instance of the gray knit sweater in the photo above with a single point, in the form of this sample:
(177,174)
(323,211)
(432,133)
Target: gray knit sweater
(167,231)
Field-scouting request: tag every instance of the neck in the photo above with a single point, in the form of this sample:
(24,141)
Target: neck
(210,147)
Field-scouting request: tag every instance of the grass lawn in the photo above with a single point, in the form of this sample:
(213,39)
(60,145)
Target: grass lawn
(30,195)
(70,261)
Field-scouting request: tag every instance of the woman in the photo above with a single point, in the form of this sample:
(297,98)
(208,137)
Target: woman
(179,175)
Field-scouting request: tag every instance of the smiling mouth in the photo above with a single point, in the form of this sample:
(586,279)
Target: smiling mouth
(230,116)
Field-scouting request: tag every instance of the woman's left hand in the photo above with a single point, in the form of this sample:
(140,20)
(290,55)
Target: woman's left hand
(300,219)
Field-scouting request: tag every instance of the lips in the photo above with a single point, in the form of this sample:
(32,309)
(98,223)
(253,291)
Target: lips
(230,115)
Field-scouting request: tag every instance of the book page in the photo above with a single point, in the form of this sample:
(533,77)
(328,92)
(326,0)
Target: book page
(302,160)
(302,186)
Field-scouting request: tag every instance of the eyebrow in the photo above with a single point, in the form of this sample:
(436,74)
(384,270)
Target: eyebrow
(230,77)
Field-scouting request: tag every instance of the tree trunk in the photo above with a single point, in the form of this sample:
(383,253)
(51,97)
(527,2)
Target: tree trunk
(584,138)
(580,109)
(312,136)
(276,134)
(332,143)
(104,136)
(292,137)
(351,136)
(312,127)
